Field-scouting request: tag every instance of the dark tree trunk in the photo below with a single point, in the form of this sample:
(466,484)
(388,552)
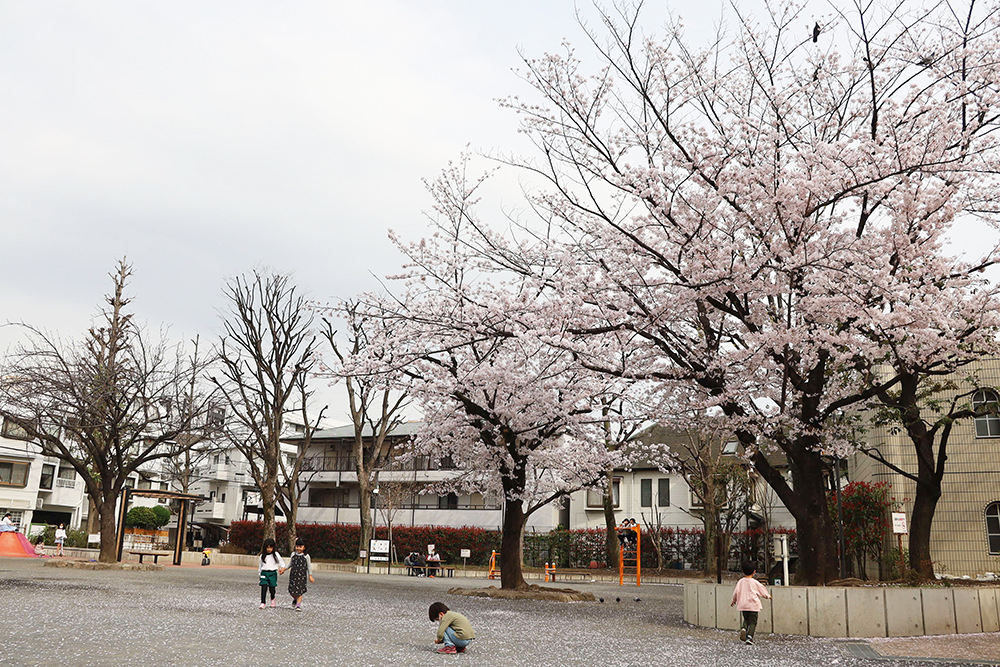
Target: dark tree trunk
(815,531)
(109,531)
(511,577)
(924,503)
(806,500)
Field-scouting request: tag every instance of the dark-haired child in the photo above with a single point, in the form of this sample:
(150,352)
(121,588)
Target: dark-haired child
(299,569)
(454,630)
(270,566)
(746,599)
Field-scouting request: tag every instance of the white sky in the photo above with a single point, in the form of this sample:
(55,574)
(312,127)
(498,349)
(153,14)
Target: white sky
(204,138)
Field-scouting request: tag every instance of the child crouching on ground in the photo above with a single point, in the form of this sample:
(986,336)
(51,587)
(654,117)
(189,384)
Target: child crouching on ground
(454,630)
(746,599)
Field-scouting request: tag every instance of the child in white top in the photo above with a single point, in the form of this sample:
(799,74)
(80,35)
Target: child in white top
(270,566)
(60,539)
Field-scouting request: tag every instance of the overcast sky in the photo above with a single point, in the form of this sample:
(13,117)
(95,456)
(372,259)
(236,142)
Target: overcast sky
(201,139)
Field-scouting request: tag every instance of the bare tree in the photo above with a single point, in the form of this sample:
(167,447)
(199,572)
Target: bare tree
(722,485)
(266,351)
(295,480)
(377,402)
(393,496)
(107,406)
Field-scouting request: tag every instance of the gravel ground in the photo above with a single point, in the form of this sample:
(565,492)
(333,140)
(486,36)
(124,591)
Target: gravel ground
(209,616)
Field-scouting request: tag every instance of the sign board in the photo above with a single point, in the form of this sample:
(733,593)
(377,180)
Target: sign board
(383,559)
(466,553)
(899,523)
(379,546)
(94,538)
(430,549)
(362,554)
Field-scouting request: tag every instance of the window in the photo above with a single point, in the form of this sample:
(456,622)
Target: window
(48,475)
(663,492)
(222,498)
(646,492)
(449,502)
(216,418)
(12,430)
(595,497)
(13,473)
(987,426)
(145,485)
(218,459)
(15,515)
(993,528)
(730,447)
(66,479)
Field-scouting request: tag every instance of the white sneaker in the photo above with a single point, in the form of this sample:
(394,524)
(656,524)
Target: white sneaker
(262,605)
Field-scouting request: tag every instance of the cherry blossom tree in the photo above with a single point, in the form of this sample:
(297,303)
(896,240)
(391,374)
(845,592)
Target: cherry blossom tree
(498,394)
(741,218)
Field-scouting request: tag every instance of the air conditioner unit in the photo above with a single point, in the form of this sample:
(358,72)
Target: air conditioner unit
(39,503)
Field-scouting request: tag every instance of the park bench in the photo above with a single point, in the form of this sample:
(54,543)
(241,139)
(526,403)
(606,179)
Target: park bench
(146,552)
(446,570)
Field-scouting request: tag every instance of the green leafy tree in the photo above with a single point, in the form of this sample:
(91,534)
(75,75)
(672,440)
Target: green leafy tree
(866,519)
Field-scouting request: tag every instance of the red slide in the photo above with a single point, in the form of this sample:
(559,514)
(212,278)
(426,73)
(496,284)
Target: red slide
(15,545)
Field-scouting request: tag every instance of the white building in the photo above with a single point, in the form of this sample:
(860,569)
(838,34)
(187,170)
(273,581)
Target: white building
(35,488)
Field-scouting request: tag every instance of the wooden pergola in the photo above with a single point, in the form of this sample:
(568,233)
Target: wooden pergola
(182,515)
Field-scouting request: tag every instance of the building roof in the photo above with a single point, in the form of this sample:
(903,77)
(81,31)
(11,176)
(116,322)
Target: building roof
(404,430)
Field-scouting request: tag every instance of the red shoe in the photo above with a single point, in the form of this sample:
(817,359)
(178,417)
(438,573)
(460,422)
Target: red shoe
(460,650)
(447,649)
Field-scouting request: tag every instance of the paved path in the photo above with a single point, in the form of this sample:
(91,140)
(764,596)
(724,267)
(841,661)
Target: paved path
(209,616)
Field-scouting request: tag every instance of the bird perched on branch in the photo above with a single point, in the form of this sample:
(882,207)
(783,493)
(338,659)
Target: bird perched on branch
(816,31)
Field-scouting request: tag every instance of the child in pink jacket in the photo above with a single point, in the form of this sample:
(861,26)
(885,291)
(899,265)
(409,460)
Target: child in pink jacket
(746,599)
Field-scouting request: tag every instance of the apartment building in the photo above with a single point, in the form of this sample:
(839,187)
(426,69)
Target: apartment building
(35,488)
(652,496)
(965,534)
(333,494)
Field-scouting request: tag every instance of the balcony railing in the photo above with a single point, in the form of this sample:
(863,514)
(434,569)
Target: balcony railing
(405,506)
(346,463)
(62,483)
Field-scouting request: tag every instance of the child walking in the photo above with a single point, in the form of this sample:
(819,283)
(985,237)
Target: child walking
(270,566)
(60,539)
(454,630)
(746,599)
(299,569)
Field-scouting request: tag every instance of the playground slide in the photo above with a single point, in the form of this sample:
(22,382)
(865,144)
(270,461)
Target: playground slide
(15,545)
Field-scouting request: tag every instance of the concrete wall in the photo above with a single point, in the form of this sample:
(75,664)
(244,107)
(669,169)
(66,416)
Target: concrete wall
(852,612)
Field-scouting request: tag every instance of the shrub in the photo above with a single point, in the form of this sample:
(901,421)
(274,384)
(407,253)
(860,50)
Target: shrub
(76,539)
(142,517)
(162,515)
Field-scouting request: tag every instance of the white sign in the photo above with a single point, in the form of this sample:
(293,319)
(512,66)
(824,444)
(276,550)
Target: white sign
(379,547)
(93,538)
(466,553)
(384,559)
(362,554)
(430,549)
(899,523)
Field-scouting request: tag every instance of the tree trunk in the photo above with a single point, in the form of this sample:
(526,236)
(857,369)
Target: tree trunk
(291,517)
(511,577)
(93,517)
(815,531)
(924,503)
(364,489)
(267,503)
(109,531)
(709,523)
(611,544)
